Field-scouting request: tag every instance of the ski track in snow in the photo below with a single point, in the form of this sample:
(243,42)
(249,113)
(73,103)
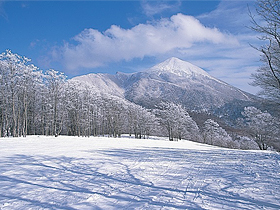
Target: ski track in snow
(103,173)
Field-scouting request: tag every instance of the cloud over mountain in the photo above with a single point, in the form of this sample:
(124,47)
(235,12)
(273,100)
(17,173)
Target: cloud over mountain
(93,48)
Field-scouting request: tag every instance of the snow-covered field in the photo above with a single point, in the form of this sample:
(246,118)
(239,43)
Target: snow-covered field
(105,173)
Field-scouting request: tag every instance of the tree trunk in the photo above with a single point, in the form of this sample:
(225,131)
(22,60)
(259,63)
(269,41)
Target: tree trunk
(14,118)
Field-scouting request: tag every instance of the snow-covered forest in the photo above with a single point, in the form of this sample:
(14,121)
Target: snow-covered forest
(34,102)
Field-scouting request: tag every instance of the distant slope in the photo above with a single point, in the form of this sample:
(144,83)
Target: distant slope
(102,83)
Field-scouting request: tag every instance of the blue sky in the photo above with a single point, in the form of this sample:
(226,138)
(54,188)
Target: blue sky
(80,37)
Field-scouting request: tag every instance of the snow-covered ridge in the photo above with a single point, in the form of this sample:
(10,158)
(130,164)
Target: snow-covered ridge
(102,83)
(179,67)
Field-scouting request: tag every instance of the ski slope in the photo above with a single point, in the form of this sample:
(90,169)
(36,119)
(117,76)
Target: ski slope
(104,173)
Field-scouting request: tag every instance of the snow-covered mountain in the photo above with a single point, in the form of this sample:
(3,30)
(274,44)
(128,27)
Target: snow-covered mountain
(172,80)
(181,82)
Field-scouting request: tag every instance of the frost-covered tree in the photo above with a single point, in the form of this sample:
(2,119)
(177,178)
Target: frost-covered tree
(213,134)
(141,122)
(263,127)
(55,94)
(148,122)
(19,82)
(267,23)
(31,89)
(83,109)
(72,104)
(177,122)
(114,116)
(11,66)
(247,143)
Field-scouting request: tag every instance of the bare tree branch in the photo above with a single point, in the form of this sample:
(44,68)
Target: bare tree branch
(267,23)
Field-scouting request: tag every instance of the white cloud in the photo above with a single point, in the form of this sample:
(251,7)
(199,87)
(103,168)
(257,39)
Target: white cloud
(151,8)
(94,48)
(233,64)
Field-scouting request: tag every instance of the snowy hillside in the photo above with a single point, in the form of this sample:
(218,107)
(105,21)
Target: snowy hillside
(104,173)
(101,83)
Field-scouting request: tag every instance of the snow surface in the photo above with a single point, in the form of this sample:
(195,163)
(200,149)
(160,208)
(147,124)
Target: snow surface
(40,172)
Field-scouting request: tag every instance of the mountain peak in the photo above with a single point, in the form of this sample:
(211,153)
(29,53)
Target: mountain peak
(174,59)
(179,67)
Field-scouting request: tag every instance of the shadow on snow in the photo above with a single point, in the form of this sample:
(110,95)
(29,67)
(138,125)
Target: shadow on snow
(151,178)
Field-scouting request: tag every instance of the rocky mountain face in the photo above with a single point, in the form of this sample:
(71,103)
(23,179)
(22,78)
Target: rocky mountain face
(177,81)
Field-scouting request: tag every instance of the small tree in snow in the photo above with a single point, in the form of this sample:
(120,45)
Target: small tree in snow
(213,134)
(263,127)
(247,143)
(177,121)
